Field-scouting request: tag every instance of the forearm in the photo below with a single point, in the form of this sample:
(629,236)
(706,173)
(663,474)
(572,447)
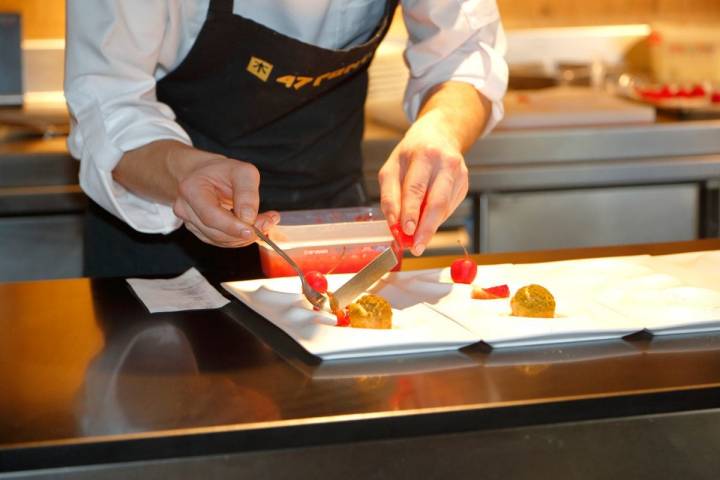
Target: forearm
(458,110)
(202,188)
(155,170)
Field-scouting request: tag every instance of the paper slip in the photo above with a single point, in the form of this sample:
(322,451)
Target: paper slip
(189,291)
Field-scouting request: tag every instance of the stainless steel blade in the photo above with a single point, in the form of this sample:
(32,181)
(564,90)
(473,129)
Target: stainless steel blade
(365,278)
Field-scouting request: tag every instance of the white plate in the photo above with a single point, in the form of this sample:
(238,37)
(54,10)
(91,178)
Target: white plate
(416,327)
(575,321)
(667,310)
(597,299)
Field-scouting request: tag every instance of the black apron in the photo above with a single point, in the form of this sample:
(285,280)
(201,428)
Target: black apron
(245,91)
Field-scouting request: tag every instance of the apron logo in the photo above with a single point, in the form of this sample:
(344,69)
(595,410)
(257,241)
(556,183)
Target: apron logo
(260,68)
(298,82)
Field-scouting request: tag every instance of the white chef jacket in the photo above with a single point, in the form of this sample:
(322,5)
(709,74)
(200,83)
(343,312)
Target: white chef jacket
(116,50)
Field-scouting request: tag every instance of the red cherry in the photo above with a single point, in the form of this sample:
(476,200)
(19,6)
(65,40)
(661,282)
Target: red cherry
(697,91)
(317,281)
(683,93)
(655,38)
(500,291)
(666,92)
(651,95)
(715,98)
(463,270)
(343,318)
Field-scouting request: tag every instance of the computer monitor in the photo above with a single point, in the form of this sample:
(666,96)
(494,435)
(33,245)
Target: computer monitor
(11,89)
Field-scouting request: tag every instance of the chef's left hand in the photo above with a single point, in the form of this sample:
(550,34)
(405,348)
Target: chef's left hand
(427,167)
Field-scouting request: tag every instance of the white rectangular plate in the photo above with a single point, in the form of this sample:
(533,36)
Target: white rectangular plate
(597,299)
(416,327)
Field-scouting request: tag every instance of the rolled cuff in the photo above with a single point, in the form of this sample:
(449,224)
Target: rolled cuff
(485,69)
(90,142)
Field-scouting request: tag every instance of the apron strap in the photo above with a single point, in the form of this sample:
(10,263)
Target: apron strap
(221,6)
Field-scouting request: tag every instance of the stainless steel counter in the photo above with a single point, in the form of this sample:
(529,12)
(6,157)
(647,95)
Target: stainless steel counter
(91,380)
(38,176)
(41,207)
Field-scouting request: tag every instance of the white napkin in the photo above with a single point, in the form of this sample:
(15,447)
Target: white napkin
(189,291)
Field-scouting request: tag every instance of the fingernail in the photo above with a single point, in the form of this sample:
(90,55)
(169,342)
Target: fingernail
(419,249)
(245,234)
(409,227)
(247,215)
(267,224)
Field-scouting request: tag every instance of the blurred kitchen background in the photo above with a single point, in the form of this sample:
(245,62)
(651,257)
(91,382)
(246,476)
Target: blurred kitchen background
(611,135)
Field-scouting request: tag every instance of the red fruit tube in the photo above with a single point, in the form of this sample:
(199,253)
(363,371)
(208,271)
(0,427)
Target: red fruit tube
(402,238)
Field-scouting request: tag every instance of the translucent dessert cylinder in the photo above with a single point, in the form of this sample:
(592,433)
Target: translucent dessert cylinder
(339,240)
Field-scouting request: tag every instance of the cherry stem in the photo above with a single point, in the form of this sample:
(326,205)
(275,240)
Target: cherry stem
(467,255)
(337,264)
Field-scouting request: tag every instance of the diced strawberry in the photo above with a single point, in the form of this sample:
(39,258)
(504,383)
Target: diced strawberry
(490,293)
(480,294)
(343,318)
(500,291)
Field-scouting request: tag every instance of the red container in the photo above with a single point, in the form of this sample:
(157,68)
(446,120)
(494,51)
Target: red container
(340,240)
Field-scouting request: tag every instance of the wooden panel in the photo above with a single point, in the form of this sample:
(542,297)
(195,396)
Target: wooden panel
(41,18)
(46,18)
(541,13)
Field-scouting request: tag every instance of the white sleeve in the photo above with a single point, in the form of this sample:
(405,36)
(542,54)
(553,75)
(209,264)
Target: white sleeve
(455,40)
(113,49)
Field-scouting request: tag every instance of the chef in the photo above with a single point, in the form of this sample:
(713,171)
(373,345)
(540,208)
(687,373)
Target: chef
(217,114)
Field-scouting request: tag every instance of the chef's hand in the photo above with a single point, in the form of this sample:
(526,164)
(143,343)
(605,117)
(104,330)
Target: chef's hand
(216,197)
(219,200)
(427,166)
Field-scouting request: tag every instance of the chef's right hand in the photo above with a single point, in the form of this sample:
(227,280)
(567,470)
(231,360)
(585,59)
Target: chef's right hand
(218,199)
